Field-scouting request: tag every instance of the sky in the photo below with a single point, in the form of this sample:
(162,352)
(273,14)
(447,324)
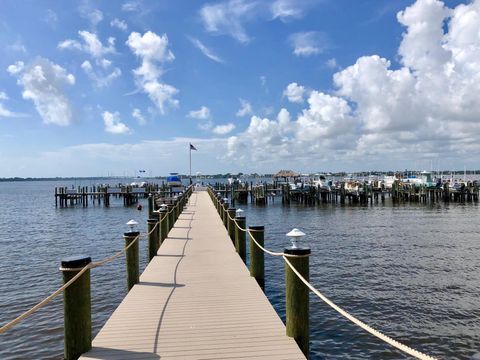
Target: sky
(108,88)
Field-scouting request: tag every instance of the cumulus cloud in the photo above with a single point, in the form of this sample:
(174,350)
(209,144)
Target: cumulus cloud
(119,24)
(43,82)
(294,93)
(100,78)
(245,109)
(90,44)
(429,106)
(227,18)
(205,51)
(153,51)
(137,115)
(113,125)
(201,114)
(99,72)
(223,129)
(308,43)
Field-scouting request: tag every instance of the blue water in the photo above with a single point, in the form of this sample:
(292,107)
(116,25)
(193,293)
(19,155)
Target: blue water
(408,270)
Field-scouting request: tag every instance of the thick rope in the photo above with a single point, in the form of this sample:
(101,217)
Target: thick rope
(57,292)
(378,334)
(44,301)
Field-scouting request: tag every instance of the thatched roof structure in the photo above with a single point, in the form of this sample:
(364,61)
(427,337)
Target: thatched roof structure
(286,174)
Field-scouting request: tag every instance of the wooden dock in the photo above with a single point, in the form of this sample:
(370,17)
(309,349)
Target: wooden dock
(195,300)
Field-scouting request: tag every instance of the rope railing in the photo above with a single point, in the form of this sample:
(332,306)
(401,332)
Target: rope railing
(398,345)
(57,292)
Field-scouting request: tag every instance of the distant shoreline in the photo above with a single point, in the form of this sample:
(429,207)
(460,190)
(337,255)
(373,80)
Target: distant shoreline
(228,175)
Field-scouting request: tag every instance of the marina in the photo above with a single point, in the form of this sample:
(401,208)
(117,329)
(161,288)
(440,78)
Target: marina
(275,231)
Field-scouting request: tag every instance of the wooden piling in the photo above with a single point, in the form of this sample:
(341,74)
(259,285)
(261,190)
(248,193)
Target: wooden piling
(257,257)
(171,216)
(163,224)
(132,261)
(153,242)
(231,223)
(240,244)
(77,308)
(150,205)
(297,303)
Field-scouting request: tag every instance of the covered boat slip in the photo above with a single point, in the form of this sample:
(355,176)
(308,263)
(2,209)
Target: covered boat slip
(195,300)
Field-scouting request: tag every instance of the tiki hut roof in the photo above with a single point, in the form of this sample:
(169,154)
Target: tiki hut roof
(286,174)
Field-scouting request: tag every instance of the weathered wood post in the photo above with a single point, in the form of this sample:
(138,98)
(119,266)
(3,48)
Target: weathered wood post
(257,260)
(231,223)
(150,205)
(225,212)
(296,292)
(131,255)
(77,308)
(240,244)
(163,223)
(171,216)
(152,238)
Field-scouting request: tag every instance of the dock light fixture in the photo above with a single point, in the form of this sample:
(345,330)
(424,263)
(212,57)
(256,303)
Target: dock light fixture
(225,200)
(218,194)
(295,236)
(163,207)
(131,224)
(239,213)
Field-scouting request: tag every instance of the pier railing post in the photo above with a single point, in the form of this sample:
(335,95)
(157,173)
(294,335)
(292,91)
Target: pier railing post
(225,213)
(131,255)
(163,224)
(231,223)
(240,245)
(257,260)
(171,216)
(297,302)
(77,308)
(150,205)
(152,238)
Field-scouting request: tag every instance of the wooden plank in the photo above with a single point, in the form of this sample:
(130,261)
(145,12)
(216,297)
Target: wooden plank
(195,300)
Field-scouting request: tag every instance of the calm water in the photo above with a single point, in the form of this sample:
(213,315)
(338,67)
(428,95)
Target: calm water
(410,270)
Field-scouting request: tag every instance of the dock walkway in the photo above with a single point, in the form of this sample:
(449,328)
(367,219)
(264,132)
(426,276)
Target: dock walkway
(195,300)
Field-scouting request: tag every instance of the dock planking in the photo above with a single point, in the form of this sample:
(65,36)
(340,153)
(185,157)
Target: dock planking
(195,300)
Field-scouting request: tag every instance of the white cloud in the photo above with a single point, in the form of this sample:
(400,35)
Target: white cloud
(202,114)
(223,129)
(227,18)
(429,106)
(287,9)
(130,6)
(3,95)
(113,125)
(119,24)
(16,68)
(308,43)
(137,115)
(101,79)
(332,63)
(245,109)
(154,52)
(294,93)
(43,82)
(205,51)
(90,44)
(95,16)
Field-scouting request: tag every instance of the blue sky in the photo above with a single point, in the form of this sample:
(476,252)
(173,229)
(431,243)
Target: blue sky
(109,87)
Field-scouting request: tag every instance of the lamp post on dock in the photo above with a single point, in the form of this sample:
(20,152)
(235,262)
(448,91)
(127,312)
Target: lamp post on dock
(296,292)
